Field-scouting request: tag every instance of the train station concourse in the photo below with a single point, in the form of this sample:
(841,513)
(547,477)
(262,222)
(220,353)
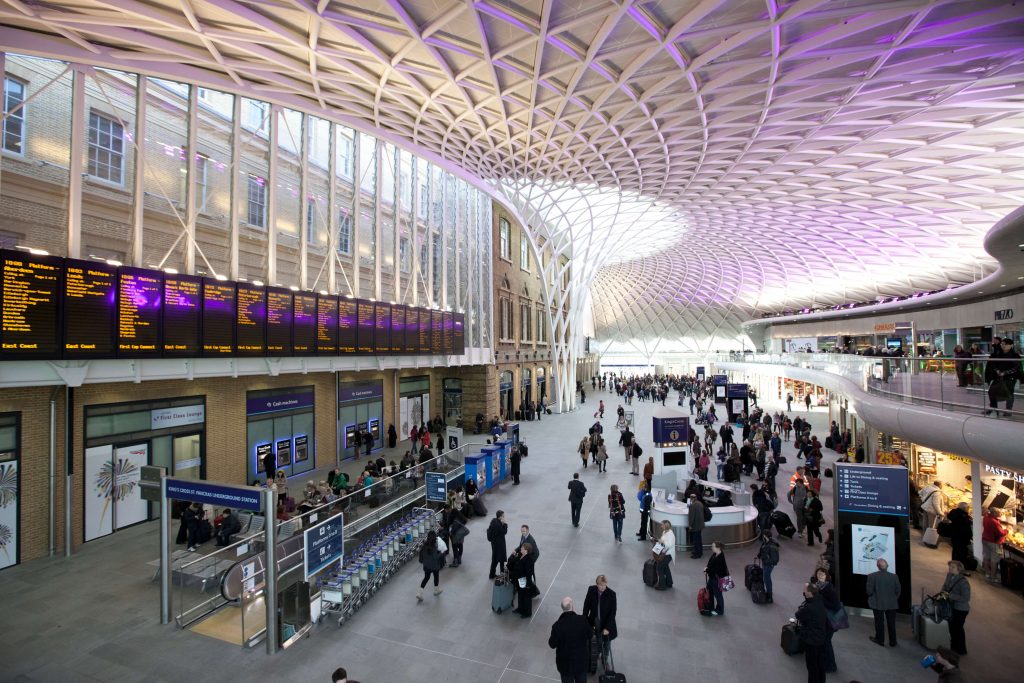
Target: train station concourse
(496,341)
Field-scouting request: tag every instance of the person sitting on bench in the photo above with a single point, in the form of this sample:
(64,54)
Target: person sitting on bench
(227,525)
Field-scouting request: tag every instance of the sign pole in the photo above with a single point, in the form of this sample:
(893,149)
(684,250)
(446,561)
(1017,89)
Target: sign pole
(165,553)
(270,583)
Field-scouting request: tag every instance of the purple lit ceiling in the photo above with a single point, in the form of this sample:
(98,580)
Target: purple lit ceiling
(814,152)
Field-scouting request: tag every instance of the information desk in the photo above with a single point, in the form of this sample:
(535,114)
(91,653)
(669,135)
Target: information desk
(741,497)
(730,526)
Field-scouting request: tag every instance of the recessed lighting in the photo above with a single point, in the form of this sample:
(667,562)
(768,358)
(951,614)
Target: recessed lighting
(171,271)
(222,278)
(258,283)
(112,262)
(1002,285)
(955,298)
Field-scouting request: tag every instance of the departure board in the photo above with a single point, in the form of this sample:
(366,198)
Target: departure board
(304,317)
(139,303)
(347,328)
(251,320)
(181,310)
(90,294)
(436,332)
(448,327)
(279,322)
(326,325)
(365,323)
(31,305)
(382,325)
(459,336)
(412,330)
(398,328)
(219,304)
(424,331)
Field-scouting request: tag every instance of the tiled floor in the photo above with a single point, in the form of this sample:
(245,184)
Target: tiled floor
(95,616)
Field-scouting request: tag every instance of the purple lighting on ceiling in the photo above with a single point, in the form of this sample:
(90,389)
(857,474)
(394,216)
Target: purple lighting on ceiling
(561,45)
(499,13)
(641,18)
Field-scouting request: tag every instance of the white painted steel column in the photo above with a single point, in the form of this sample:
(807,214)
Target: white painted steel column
(357,210)
(377,230)
(271,197)
(190,186)
(235,188)
(332,213)
(75,164)
(976,508)
(304,203)
(139,191)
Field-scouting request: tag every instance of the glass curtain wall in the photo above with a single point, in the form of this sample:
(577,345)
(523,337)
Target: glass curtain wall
(183,177)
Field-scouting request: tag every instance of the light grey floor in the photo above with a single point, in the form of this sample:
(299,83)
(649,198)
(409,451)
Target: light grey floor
(95,616)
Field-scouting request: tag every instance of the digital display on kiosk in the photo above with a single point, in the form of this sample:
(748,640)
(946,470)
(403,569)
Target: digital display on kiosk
(304,323)
(251,320)
(90,293)
(139,304)
(218,318)
(182,302)
(279,322)
(31,305)
(382,328)
(674,458)
(365,323)
(436,332)
(347,326)
(326,325)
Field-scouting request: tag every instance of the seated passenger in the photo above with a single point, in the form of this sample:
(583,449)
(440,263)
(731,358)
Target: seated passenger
(724,500)
(225,526)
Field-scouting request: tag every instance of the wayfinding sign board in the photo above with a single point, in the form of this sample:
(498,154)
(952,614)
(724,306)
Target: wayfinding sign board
(876,489)
(217,495)
(324,544)
(437,487)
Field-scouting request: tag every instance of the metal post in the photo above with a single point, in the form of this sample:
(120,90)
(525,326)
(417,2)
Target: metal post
(165,553)
(191,202)
(68,467)
(52,516)
(976,507)
(236,185)
(75,164)
(270,584)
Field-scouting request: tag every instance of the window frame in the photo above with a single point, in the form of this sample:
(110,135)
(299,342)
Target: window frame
(344,224)
(19,116)
(202,182)
(94,147)
(525,322)
(504,239)
(261,183)
(524,252)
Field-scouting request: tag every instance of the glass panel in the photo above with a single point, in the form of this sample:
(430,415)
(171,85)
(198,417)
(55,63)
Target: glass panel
(253,168)
(99,425)
(462,233)
(345,197)
(213,181)
(125,423)
(188,456)
(283,431)
(450,207)
(291,210)
(388,190)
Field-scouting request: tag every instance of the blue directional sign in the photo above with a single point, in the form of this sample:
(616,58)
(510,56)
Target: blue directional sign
(217,495)
(878,489)
(437,487)
(325,544)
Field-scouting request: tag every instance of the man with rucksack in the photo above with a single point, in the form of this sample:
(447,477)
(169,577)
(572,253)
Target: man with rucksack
(769,556)
(763,503)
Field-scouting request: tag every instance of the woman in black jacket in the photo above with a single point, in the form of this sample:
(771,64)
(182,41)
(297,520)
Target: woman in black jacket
(430,558)
(814,628)
(522,574)
(813,517)
(455,524)
(715,570)
(599,608)
(822,580)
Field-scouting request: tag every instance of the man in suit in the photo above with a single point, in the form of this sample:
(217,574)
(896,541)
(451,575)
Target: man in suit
(496,536)
(883,591)
(570,639)
(527,537)
(577,490)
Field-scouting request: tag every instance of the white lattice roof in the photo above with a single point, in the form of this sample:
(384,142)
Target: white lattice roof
(813,151)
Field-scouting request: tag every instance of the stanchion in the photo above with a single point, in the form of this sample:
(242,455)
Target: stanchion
(270,585)
(165,553)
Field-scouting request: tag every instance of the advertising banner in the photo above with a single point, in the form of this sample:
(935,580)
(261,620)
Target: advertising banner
(403,411)
(8,509)
(99,491)
(129,506)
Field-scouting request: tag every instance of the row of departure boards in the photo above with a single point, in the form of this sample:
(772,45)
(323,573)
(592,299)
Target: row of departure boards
(66,308)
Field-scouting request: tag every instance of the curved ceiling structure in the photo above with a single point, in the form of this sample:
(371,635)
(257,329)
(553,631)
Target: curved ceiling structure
(806,152)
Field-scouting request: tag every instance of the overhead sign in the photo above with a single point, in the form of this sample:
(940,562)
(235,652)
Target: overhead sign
(277,402)
(437,487)
(885,327)
(673,428)
(162,418)
(217,495)
(1005,314)
(324,544)
(876,489)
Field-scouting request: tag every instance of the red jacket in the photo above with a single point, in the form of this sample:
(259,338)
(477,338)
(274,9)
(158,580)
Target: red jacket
(992,530)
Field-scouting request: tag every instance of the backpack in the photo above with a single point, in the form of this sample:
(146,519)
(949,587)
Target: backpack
(637,451)
(769,553)
(707,512)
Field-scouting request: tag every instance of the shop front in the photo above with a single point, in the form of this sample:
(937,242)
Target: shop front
(451,389)
(542,394)
(360,412)
(413,404)
(281,421)
(527,393)
(10,489)
(505,395)
(121,438)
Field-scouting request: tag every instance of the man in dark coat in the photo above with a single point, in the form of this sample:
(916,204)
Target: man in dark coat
(270,465)
(599,609)
(515,458)
(496,535)
(883,589)
(577,489)
(814,626)
(570,639)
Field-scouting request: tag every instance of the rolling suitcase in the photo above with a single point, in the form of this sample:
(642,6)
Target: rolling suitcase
(930,537)
(783,524)
(651,573)
(791,643)
(502,595)
(479,509)
(758,595)
(930,634)
(704,603)
(595,653)
(753,573)
(609,674)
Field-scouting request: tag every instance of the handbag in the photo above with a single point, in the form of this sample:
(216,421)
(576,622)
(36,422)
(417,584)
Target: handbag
(998,391)
(839,619)
(460,532)
(726,584)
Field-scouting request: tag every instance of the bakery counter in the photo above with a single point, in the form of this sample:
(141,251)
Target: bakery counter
(730,526)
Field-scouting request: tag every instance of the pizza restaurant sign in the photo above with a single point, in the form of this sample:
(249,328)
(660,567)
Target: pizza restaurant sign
(1005,474)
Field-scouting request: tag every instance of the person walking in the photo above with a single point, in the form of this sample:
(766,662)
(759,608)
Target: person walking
(1002,372)
(616,511)
(522,573)
(768,553)
(813,620)
(457,532)
(646,501)
(822,580)
(957,589)
(516,459)
(577,489)
(634,456)
(961,533)
(584,450)
(599,609)
(798,497)
(992,536)
(716,570)
(570,639)
(883,590)
(600,409)
(601,457)
(667,541)
(815,518)
(626,441)
(430,557)
(789,406)
(932,503)
(695,525)
(763,504)
(807,402)
(496,537)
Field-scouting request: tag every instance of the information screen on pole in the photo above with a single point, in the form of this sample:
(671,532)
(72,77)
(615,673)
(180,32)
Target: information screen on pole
(875,489)
(90,290)
(324,544)
(700,372)
(437,487)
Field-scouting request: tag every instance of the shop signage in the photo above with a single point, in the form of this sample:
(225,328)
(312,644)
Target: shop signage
(437,487)
(1005,314)
(958,458)
(876,489)
(889,458)
(217,495)
(885,327)
(162,418)
(324,544)
(360,392)
(1005,474)
(926,462)
(273,404)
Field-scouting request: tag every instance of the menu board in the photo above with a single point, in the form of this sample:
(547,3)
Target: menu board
(219,303)
(139,299)
(365,323)
(436,332)
(346,326)
(424,331)
(251,320)
(411,343)
(448,329)
(31,305)
(279,322)
(305,319)
(382,328)
(89,308)
(182,302)
(326,325)
(459,335)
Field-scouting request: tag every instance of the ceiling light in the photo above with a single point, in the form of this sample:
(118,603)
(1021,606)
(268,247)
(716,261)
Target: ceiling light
(258,283)
(171,271)
(222,278)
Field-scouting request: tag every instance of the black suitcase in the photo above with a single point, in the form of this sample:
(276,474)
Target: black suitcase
(752,573)
(758,595)
(1011,574)
(783,524)
(595,654)
(971,563)
(524,450)
(791,643)
(502,595)
(609,674)
(650,573)
(479,509)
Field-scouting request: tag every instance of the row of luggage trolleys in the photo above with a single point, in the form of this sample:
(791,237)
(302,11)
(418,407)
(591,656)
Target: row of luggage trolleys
(370,565)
